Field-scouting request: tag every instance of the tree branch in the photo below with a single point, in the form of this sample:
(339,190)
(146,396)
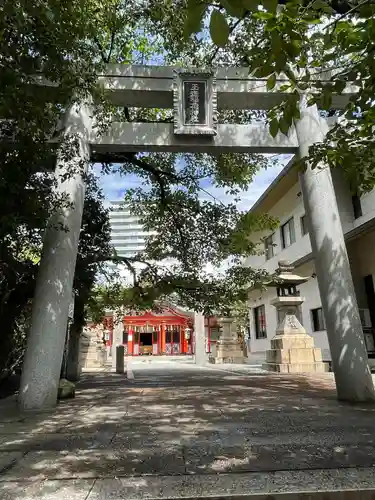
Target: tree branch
(158,176)
(100,47)
(161,177)
(354,8)
(113,34)
(114,258)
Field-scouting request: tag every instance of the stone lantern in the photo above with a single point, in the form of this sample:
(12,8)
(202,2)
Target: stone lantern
(228,350)
(292,349)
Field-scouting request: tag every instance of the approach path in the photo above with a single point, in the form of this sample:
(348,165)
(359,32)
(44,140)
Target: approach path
(175,430)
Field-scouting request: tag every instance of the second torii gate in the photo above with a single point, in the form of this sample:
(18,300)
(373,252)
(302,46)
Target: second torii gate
(195,96)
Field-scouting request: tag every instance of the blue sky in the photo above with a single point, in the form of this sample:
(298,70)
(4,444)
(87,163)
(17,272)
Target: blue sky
(114,185)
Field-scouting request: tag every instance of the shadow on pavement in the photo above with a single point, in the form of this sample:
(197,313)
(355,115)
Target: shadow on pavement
(176,422)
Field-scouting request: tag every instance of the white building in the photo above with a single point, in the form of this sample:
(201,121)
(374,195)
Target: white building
(291,242)
(127,234)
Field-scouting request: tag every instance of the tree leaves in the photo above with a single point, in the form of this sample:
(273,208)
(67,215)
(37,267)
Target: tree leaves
(283,125)
(301,41)
(271,82)
(270,5)
(193,23)
(219,29)
(323,6)
(197,229)
(326,100)
(234,8)
(251,5)
(274,127)
(263,71)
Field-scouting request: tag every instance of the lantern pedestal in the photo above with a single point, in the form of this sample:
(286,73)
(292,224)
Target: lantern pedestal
(292,349)
(228,350)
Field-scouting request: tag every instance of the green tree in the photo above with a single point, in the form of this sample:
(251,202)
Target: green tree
(317,47)
(199,244)
(33,40)
(63,44)
(67,45)
(18,282)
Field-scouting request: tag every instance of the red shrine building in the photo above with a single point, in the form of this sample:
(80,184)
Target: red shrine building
(168,332)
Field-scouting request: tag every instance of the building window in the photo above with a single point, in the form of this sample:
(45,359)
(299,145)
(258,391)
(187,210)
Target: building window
(317,318)
(288,235)
(304,228)
(269,246)
(260,322)
(357,208)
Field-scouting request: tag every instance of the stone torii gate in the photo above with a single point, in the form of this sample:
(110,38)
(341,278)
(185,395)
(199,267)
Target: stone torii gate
(195,96)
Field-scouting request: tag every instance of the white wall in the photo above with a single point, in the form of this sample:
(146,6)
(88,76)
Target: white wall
(344,202)
(362,259)
(361,255)
(291,205)
(258,299)
(368,208)
(310,292)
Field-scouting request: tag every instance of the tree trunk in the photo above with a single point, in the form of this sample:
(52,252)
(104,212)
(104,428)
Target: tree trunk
(72,368)
(10,312)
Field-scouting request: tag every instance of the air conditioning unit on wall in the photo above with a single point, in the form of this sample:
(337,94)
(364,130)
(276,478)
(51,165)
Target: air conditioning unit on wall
(365,318)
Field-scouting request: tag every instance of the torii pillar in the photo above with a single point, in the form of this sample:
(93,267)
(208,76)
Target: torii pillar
(53,293)
(344,329)
(200,355)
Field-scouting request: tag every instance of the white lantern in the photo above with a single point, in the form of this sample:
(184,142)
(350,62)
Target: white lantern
(187,333)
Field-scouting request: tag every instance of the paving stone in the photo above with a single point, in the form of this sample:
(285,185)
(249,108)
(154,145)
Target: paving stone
(138,440)
(171,487)
(249,437)
(46,490)
(229,429)
(252,485)
(15,442)
(9,460)
(220,459)
(25,442)
(11,417)
(320,479)
(91,427)
(35,425)
(95,463)
(215,458)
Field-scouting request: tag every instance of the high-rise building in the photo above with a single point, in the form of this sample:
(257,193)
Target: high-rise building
(127,234)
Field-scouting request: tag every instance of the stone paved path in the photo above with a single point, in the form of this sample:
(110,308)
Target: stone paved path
(175,430)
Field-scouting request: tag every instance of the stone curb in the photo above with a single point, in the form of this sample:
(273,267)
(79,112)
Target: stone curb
(361,494)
